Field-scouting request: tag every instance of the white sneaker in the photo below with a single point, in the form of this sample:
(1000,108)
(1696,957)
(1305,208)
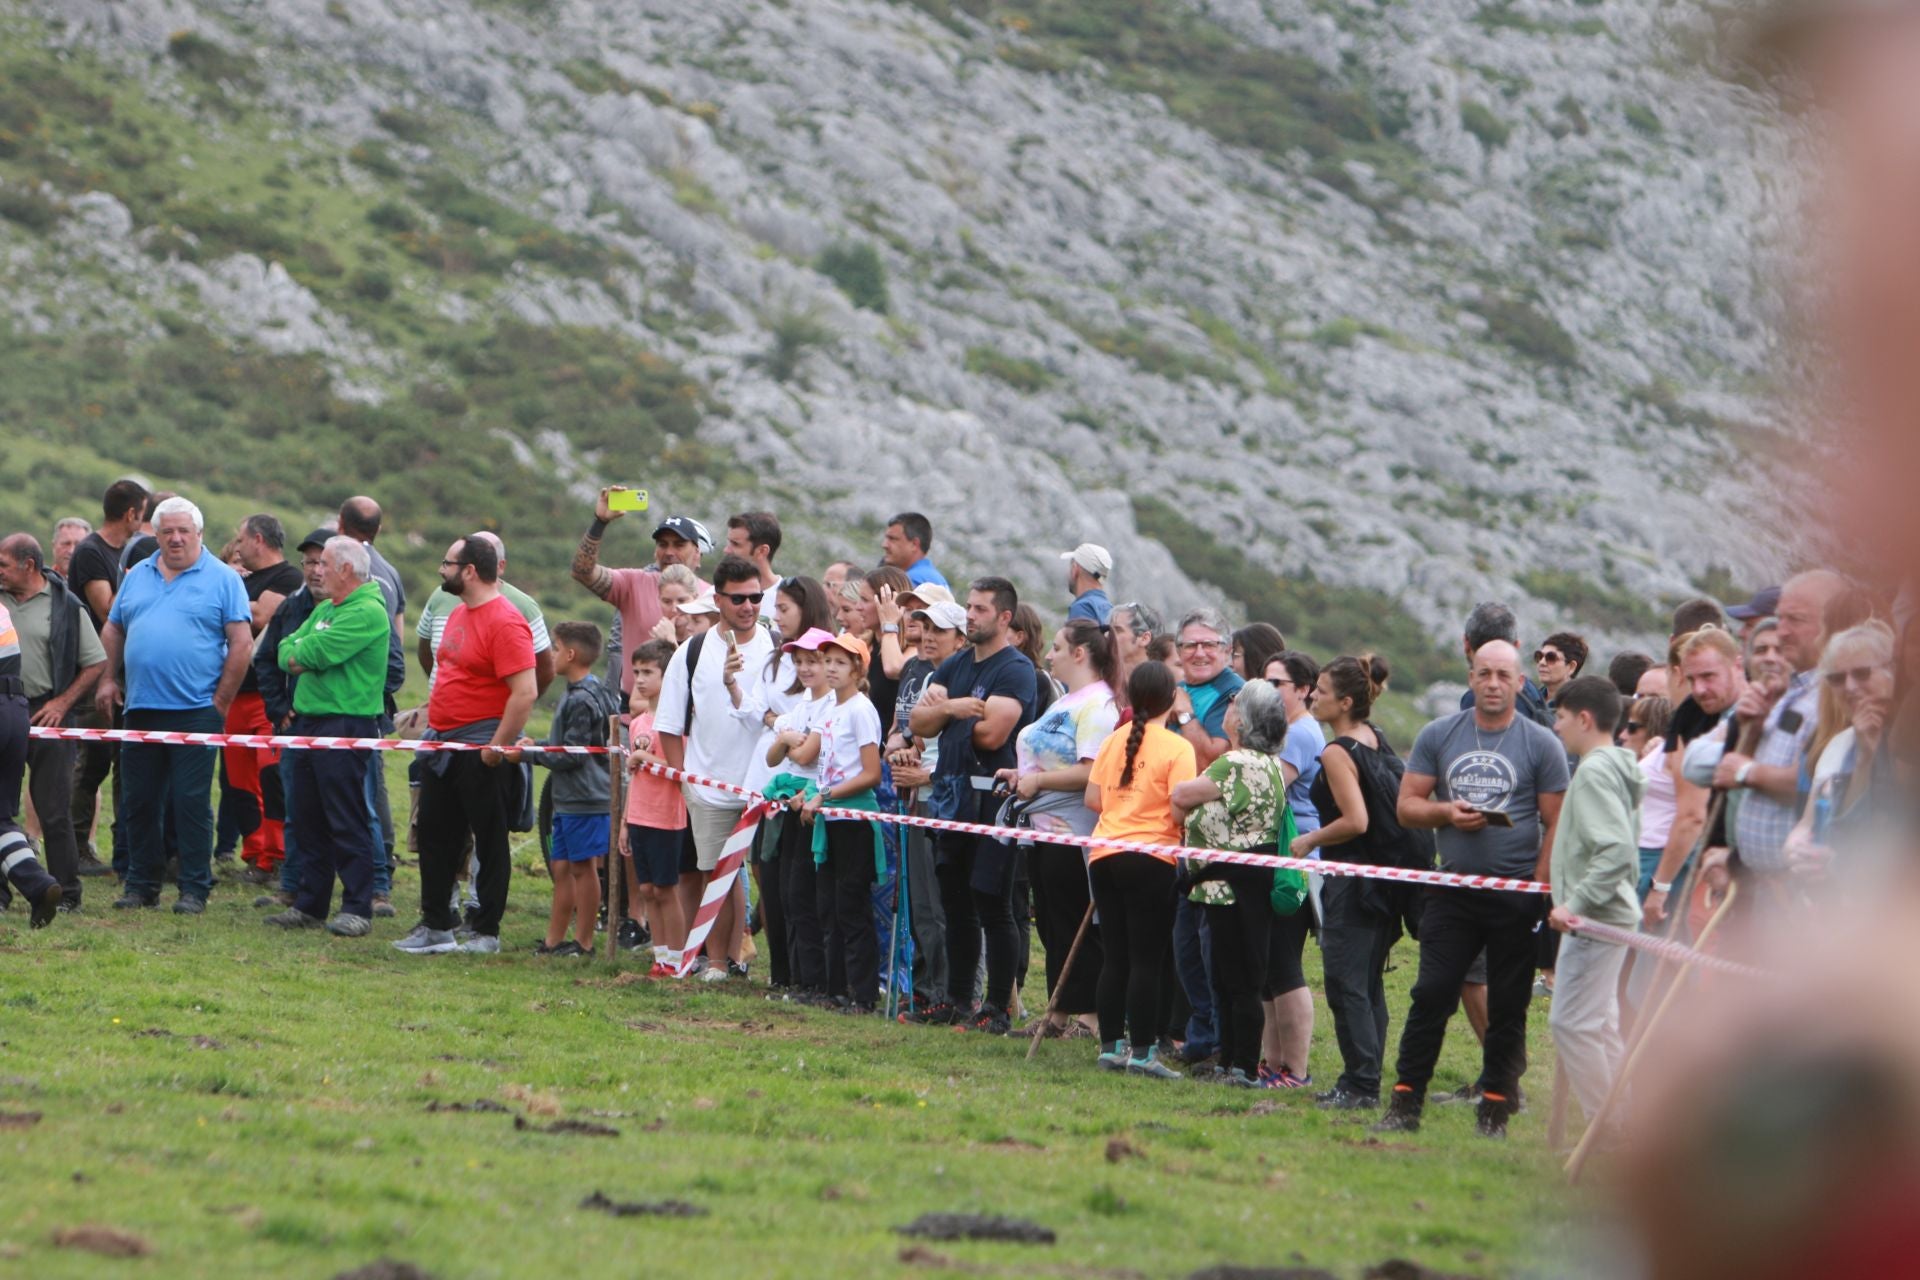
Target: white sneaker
(482,944)
(713,973)
(427,942)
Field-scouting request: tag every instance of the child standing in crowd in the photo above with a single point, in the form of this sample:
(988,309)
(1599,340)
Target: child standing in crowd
(846,740)
(656,819)
(791,759)
(1596,867)
(582,789)
(1131,788)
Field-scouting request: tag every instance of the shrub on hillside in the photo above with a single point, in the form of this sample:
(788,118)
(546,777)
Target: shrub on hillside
(857,269)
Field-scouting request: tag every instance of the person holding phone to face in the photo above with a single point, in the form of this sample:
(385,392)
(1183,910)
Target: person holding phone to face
(1486,759)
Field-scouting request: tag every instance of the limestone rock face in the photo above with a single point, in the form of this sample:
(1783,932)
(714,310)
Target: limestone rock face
(1523,344)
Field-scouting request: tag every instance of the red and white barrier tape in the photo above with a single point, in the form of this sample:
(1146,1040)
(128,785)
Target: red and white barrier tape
(720,885)
(1665,948)
(265,741)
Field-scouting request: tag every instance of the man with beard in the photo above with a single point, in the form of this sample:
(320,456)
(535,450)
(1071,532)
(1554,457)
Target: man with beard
(1715,682)
(483,688)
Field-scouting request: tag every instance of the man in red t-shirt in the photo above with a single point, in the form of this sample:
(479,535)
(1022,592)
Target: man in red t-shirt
(483,688)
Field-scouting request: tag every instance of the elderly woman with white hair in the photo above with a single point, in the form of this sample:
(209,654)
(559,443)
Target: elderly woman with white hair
(1240,803)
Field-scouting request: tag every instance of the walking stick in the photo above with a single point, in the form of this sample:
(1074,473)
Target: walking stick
(616,872)
(1596,1122)
(1053,999)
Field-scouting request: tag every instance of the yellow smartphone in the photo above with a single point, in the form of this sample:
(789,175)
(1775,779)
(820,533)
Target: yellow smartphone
(627,500)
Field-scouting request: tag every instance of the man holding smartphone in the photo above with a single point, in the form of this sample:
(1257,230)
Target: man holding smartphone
(1490,780)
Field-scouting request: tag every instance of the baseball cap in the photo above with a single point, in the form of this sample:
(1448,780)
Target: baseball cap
(809,641)
(686,527)
(704,604)
(318,538)
(1765,603)
(925,594)
(849,643)
(944,614)
(1096,560)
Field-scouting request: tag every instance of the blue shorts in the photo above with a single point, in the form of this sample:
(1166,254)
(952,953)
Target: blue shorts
(656,855)
(578,837)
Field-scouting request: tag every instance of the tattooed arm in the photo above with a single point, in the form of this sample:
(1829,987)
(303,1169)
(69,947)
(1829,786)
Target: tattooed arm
(587,569)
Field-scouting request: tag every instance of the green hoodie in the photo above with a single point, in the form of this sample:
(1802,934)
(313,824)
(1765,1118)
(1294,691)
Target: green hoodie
(1596,846)
(342,649)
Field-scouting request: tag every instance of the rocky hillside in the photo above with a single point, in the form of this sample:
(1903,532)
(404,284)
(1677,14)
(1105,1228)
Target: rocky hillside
(1356,311)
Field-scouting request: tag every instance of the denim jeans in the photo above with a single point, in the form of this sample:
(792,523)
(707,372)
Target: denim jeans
(382,838)
(1192,946)
(161,781)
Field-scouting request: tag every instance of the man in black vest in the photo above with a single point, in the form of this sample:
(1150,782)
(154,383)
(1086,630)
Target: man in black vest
(60,659)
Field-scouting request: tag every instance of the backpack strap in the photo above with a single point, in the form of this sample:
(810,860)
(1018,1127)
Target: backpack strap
(693,664)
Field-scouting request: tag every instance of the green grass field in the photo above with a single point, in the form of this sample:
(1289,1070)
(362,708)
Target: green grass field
(252,1103)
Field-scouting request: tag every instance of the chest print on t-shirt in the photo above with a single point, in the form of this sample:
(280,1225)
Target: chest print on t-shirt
(1484,779)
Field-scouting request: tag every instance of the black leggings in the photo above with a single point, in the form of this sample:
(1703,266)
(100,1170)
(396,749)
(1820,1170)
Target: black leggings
(1134,894)
(1060,898)
(843,893)
(806,951)
(1239,970)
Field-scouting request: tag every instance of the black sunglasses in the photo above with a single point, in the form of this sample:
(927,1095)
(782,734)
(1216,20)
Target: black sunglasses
(1634,726)
(740,598)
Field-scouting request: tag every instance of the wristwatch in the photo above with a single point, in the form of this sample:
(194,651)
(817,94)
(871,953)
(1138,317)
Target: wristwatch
(1181,719)
(1740,776)
(1663,888)
(889,628)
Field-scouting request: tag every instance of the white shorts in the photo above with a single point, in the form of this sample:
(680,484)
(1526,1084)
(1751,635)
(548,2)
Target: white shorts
(711,825)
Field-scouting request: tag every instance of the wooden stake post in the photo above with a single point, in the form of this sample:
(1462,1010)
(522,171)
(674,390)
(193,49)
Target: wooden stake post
(616,807)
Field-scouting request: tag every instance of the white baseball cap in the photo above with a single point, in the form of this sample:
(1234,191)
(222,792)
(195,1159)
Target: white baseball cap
(944,615)
(1096,560)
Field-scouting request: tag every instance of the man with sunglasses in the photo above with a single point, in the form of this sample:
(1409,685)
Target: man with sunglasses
(754,536)
(697,731)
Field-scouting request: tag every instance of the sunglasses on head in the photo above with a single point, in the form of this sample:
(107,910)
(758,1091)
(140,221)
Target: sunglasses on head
(742,597)
(1859,675)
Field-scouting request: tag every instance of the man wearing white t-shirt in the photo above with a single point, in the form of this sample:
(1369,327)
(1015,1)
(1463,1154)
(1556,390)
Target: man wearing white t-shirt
(696,730)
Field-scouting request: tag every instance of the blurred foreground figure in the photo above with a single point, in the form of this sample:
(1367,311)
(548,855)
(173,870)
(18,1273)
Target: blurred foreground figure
(1777,1131)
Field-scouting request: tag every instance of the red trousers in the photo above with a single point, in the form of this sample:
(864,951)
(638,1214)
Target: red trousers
(265,843)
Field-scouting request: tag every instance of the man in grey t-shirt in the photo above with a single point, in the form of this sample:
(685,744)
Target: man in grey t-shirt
(1486,760)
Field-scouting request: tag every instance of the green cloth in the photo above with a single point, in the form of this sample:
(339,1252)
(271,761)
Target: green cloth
(1596,846)
(864,800)
(342,649)
(780,788)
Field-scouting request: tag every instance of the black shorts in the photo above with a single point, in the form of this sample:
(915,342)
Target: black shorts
(689,854)
(656,855)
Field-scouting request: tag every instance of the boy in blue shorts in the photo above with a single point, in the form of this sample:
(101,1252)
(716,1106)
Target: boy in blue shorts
(581,789)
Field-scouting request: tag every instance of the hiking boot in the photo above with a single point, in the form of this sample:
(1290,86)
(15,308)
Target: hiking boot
(987,1018)
(737,969)
(281,899)
(1113,1056)
(47,904)
(90,865)
(187,905)
(1470,1093)
(427,942)
(293,918)
(632,937)
(1151,1066)
(258,875)
(1403,1114)
(1490,1121)
(1238,1079)
(937,1013)
(1190,1053)
(383,908)
(1341,1098)
(1285,1079)
(131,901)
(481,944)
(347,925)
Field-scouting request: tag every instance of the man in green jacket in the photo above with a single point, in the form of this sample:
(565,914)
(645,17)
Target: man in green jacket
(340,655)
(1596,867)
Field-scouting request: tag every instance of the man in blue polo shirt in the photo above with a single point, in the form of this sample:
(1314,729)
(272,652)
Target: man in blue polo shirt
(904,545)
(182,627)
(1088,566)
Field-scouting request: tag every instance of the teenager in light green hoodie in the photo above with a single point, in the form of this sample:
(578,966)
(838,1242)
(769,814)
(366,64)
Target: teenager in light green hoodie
(1596,866)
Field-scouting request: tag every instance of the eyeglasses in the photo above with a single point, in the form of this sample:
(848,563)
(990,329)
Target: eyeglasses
(1277,682)
(740,598)
(1634,726)
(1544,656)
(452,564)
(1200,646)
(1858,675)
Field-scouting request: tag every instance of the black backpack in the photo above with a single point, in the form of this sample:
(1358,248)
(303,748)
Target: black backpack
(1386,843)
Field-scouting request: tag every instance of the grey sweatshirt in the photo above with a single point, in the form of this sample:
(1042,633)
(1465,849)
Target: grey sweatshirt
(1596,847)
(580,783)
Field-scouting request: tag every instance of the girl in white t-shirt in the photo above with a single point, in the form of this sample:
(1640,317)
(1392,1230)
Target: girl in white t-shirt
(846,741)
(789,752)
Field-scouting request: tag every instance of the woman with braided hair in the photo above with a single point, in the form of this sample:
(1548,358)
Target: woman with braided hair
(1131,788)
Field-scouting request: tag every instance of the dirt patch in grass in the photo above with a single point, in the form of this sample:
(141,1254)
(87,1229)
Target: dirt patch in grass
(478,1104)
(386,1269)
(536,1102)
(973,1226)
(600,1203)
(574,1128)
(108,1242)
(19,1119)
(1119,1149)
